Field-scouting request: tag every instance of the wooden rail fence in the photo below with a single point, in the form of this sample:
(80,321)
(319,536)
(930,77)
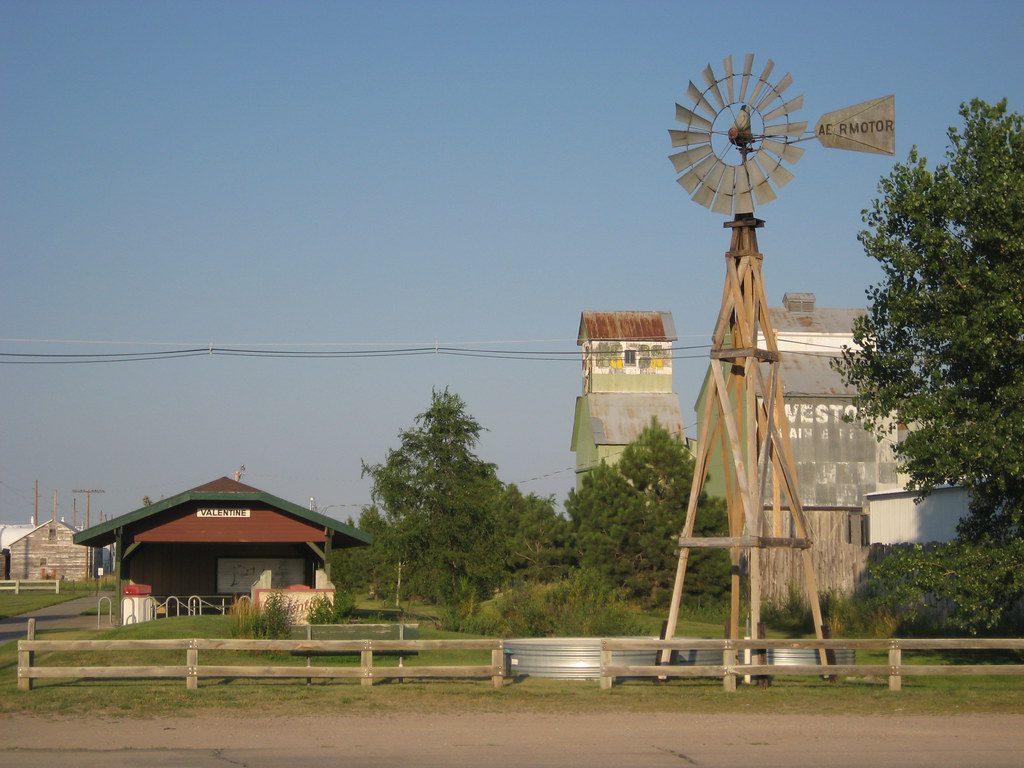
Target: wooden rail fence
(192,670)
(729,670)
(19,585)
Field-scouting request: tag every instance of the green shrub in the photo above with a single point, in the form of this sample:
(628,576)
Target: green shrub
(272,621)
(582,605)
(322,609)
(344,605)
(959,587)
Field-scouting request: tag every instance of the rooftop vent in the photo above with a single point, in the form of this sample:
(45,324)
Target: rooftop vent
(798,302)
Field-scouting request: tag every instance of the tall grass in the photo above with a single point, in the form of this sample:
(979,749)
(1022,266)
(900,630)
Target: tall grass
(844,615)
(581,605)
(271,621)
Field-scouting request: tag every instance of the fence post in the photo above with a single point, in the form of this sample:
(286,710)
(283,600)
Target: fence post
(56,591)
(895,660)
(607,680)
(25,659)
(366,659)
(498,662)
(309,661)
(192,662)
(17,586)
(729,662)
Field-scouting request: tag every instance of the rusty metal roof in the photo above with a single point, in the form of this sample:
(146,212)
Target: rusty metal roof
(630,325)
(618,418)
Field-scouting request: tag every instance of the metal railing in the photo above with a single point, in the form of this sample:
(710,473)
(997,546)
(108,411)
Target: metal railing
(194,605)
(99,610)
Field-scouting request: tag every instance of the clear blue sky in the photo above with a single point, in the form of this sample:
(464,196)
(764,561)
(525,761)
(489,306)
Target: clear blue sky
(190,173)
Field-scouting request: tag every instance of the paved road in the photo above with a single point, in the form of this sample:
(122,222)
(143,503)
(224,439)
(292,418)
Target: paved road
(453,740)
(61,616)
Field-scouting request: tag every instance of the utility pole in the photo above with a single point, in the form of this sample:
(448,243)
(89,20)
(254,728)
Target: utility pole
(88,498)
(35,513)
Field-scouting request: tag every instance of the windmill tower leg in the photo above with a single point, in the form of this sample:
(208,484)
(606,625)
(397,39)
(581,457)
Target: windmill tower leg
(742,418)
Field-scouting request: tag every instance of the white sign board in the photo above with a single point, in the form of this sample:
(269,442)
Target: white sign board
(215,512)
(866,127)
(235,575)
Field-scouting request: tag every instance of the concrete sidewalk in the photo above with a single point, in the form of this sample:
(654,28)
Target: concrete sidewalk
(67,615)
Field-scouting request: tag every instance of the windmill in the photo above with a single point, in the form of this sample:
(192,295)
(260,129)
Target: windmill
(738,138)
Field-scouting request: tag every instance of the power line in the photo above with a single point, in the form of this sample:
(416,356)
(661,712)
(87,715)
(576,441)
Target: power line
(467,349)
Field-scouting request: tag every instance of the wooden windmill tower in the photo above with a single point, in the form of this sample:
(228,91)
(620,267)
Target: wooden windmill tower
(737,139)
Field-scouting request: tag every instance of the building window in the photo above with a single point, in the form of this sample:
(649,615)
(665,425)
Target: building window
(53,534)
(857,529)
(42,561)
(629,357)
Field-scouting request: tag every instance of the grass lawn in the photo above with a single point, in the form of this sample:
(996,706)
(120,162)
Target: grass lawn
(926,695)
(15,605)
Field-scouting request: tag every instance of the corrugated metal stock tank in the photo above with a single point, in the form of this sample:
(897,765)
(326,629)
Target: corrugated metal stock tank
(579,658)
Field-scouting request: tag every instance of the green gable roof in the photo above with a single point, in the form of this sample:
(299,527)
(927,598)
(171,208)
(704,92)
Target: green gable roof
(222,489)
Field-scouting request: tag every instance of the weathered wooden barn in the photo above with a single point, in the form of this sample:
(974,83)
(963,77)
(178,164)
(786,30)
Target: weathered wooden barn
(217,538)
(48,551)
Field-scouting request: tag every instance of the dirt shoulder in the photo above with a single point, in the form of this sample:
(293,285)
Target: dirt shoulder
(537,739)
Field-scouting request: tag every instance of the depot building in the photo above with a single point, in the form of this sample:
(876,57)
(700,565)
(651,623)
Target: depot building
(218,538)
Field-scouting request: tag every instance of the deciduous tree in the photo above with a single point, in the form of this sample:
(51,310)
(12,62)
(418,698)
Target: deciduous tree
(437,499)
(942,345)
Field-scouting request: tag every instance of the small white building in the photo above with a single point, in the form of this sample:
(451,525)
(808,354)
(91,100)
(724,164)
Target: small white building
(894,517)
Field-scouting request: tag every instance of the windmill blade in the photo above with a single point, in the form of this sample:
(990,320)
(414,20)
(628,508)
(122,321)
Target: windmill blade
(775,92)
(743,183)
(785,109)
(726,191)
(763,80)
(742,201)
(684,160)
(692,119)
(778,174)
(698,173)
(706,194)
(727,67)
(699,101)
(748,65)
(786,152)
(687,138)
(762,190)
(709,78)
(785,129)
